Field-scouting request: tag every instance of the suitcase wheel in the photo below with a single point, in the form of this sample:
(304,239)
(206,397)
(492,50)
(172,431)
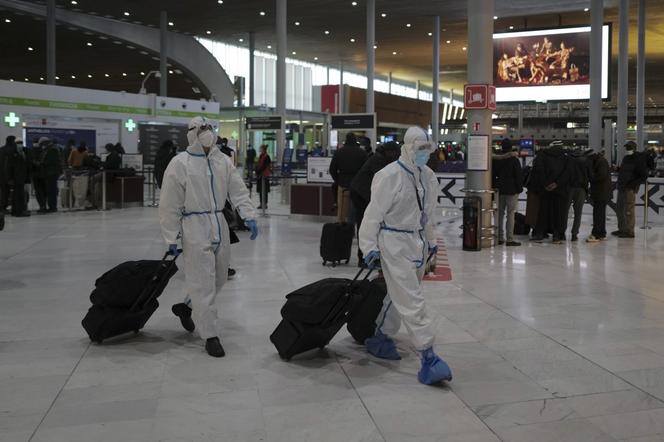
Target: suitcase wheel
(347,261)
(334,264)
(324,262)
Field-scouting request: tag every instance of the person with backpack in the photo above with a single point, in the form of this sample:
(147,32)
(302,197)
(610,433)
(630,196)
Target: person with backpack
(580,177)
(509,181)
(553,202)
(346,163)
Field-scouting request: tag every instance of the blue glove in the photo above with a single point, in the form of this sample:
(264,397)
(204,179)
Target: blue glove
(433,250)
(173,250)
(371,258)
(253,228)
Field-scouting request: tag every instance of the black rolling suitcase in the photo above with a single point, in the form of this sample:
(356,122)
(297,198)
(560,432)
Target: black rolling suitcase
(336,242)
(362,319)
(125,297)
(315,313)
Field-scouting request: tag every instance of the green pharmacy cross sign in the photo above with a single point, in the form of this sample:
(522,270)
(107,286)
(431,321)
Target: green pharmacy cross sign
(130,125)
(12,119)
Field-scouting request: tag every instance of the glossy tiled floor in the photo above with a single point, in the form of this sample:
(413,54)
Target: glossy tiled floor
(547,343)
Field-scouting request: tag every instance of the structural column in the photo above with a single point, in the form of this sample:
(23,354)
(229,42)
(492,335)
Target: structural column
(342,97)
(623,80)
(641,77)
(418,86)
(163,54)
(282,26)
(252,78)
(371,62)
(480,71)
(50,42)
(389,83)
(435,75)
(595,114)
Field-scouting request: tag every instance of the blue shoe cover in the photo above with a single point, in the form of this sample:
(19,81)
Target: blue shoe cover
(434,369)
(382,346)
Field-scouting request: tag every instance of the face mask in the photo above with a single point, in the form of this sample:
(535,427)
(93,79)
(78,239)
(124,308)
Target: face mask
(629,152)
(421,158)
(206,138)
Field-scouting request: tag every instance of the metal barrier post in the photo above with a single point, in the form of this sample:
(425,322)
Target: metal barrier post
(103,190)
(646,197)
(263,195)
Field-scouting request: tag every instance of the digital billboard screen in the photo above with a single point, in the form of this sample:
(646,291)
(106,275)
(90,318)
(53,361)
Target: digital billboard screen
(550,64)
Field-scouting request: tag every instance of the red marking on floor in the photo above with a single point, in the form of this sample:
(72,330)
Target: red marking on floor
(443,271)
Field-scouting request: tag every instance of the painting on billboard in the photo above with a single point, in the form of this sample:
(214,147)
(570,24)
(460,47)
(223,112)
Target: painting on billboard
(551,64)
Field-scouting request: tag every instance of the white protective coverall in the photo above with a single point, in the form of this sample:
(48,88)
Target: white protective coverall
(194,190)
(399,223)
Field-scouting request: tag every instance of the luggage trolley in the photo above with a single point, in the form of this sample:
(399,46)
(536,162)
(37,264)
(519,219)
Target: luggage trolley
(473,230)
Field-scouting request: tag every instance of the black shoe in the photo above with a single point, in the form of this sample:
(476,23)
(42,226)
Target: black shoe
(22,215)
(214,348)
(2,220)
(51,210)
(183,311)
(501,242)
(625,235)
(513,244)
(616,233)
(231,273)
(537,238)
(575,238)
(42,211)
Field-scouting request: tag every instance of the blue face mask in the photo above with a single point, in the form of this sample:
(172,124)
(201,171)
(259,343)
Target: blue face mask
(421,158)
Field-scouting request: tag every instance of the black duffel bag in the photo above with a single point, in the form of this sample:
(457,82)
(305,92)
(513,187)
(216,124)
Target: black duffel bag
(123,284)
(313,303)
(362,319)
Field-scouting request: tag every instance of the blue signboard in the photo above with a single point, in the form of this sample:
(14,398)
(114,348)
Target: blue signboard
(62,136)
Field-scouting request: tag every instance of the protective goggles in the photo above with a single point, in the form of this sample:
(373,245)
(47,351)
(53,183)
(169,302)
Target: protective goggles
(202,128)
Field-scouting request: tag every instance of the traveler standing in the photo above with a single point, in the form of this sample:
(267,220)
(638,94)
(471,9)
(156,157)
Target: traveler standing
(14,171)
(509,181)
(36,172)
(263,172)
(51,169)
(580,177)
(553,201)
(249,165)
(600,195)
(360,187)
(164,156)
(346,162)
(195,186)
(78,156)
(632,173)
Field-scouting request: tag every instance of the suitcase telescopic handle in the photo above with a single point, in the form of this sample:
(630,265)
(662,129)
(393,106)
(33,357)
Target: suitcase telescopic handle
(145,295)
(370,270)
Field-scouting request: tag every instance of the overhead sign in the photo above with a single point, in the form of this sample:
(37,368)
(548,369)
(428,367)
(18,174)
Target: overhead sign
(151,137)
(475,96)
(272,122)
(353,121)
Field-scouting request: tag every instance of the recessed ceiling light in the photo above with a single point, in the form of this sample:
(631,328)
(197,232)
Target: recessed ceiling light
(170,71)
(26,79)
(495,17)
(297,23)
(353,3)
(89,44)
(7,20)
(30,48)
(208,32)
(11,79)
(221,2)
(352,40)
(126,14)
(240,40)
(375,46)
(511,27)
(124,74)
(315,58)
(262,13)
(383,15)
(448,41)
(89,75)
(73,77)
(170,23)
(464,48)
(106,75)
(430,34)
(41,78)
(142,73)
(269,46)
(294,53)
(327,32)
(408,25)
(74,2)
(57,78)
(394,52)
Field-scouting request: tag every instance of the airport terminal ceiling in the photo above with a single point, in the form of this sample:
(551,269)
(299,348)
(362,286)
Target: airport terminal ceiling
(402,37)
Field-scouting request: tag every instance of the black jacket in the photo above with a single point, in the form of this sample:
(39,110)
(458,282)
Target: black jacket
(581,171)
(600,184)
(556,169)
(508,176)
(51,166)
(113,161)
(361,184)
(346,163)
(164,156)
(251,155)
(633,172)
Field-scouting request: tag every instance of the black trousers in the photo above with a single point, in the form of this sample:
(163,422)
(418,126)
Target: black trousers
(4,195)
(52,192)
(360,205)
(19,204)
(599,219)
(552,215)
(39,184)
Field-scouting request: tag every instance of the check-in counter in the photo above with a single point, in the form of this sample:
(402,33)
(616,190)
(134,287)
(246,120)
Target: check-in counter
(312,199)
(125,191)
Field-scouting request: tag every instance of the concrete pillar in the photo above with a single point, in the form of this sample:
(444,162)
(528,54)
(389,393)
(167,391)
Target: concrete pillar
(282,26)
(435,76)
(50,42)
(371,62)
(342,91)
(328,75)
(480,71)
(641,78)
(595,112)
(163,54)
(623,80)
(418,86)
(252,75)
(520,121)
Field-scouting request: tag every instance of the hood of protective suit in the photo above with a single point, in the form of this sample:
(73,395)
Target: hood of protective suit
(415,139)
(197,134)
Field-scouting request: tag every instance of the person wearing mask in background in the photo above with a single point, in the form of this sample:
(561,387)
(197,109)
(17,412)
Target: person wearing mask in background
(600,195)
(36,172)
(14,167)
(632,173)
(659,163)
(398,230)
(223,146)
(51,169)
(365,143)
(509,181)
(113,159)
(69,147)
(78,156)
(346,162)
(164,156)
(119,148)
(250,163)
(195,186)
(552,213)
(263,173)
(360,187)
(6,182)
(581,174)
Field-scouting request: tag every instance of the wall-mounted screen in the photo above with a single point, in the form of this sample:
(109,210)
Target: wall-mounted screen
(550,64)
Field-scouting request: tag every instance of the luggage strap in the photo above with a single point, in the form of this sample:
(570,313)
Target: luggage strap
(340,305)
(155,285)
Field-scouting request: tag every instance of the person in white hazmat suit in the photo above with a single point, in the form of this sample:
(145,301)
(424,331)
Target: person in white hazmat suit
(398,230)
(195,187)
